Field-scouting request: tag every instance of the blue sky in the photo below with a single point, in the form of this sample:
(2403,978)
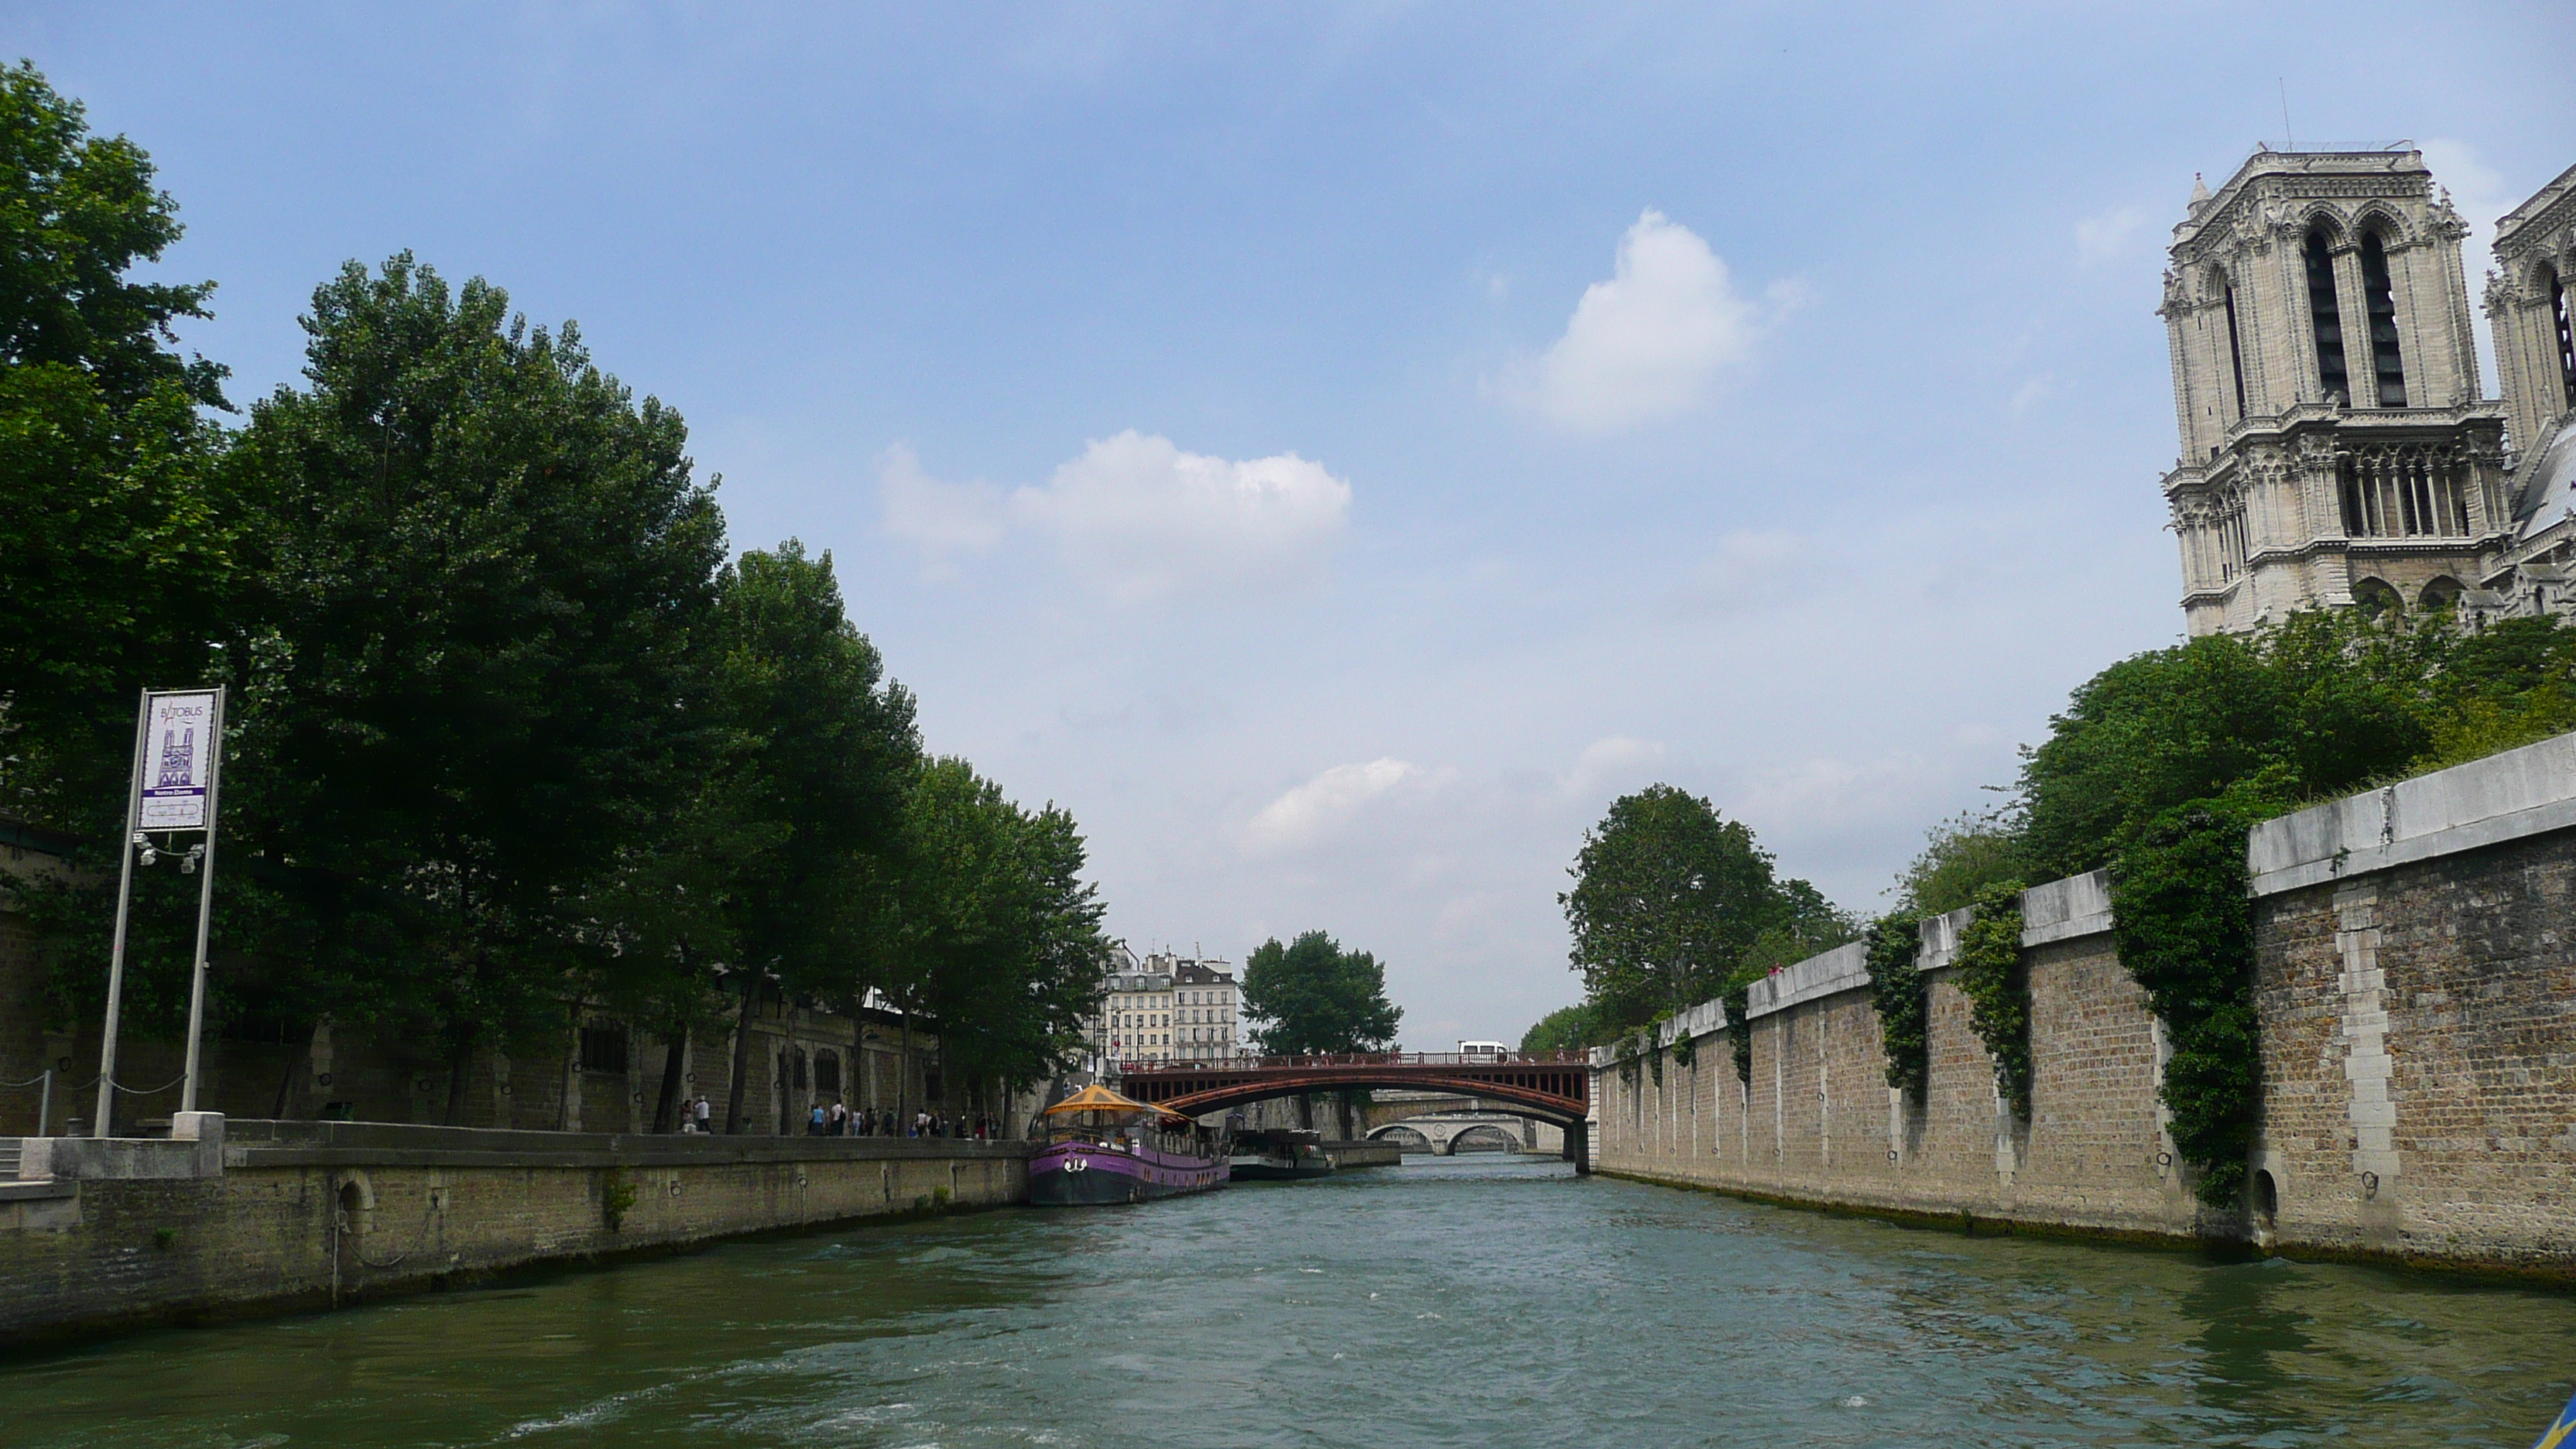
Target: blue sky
(1336,450)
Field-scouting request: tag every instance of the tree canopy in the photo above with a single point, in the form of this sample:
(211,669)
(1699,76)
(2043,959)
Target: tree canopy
(2318,705)
(1568,1028)
(117,538)
(508,732)
(1670,901)
(1312,997)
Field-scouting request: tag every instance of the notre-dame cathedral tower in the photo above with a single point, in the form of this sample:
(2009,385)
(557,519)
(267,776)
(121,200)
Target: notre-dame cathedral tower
(2336,447)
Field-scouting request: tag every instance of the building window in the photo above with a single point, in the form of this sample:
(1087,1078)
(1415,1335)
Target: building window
(2384,358)
(2404,495)
(827,1072)
(603,1049)
(2558,305)
(2326,317)
(2235,351)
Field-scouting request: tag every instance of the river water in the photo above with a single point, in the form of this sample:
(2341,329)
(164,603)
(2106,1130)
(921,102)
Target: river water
(1469,1301)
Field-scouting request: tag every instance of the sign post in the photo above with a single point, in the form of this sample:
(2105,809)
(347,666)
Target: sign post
(175,750)
(214,777)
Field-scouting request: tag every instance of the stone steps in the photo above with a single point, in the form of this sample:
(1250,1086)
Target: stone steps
(9,1155)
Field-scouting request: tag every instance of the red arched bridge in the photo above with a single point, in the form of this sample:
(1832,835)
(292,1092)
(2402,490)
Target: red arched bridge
(1553,1087)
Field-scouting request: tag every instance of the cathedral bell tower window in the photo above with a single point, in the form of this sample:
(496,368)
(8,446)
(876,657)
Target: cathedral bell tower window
(2326,317)
(2557,286)
(2236,350)
(2384,358)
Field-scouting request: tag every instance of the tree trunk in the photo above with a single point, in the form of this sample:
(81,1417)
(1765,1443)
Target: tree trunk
(457,1064)
(568,1109)
(294,1066)
(674,1057)
(903,1076)
(791,1110)
(751,990)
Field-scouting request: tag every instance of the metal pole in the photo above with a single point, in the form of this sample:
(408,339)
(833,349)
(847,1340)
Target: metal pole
(45,1103)
(205,902)
(100,1126)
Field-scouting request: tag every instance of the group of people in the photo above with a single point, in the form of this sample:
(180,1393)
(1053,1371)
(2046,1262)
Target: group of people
(836,1119)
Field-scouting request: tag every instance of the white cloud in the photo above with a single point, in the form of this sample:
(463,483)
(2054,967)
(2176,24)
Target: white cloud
(1140,519)
(1324,804)
(2101,238)
(942,520)
(1135,516)
(1608,763)
(1647,343)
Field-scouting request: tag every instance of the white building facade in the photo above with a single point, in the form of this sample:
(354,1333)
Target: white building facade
(2337,448)
(1166,1007)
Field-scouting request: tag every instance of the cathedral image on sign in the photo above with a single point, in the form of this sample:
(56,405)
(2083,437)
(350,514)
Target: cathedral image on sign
(2337,449)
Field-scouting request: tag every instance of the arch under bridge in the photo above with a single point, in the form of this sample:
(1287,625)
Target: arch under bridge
(1554,1087)
(1452,1132)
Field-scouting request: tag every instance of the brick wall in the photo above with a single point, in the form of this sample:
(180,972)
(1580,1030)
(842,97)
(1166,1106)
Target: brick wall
(1818,1122)
(2415,977)
(2420,1052)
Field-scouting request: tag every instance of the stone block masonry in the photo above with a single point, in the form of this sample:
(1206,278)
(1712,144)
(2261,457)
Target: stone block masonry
(2415,976)
(96,1235)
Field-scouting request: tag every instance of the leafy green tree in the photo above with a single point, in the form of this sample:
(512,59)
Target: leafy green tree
(1667,900)
(1311,997)
(1960,857)
(1568,1028)
(1001,933)
(2321,704)
(117,538)
(817,754)
(485,575)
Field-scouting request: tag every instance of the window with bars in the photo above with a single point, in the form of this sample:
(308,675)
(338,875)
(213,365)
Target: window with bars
(2231,545)
(2325,318)
(2386,364)
(2402,496)
(603,1048)
(827,1072)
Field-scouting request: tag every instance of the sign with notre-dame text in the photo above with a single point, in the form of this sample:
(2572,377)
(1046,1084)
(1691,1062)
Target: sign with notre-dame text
(178,755)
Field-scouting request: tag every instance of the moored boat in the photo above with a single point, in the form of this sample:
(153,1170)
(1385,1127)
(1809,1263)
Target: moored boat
(1105,1148)
(1279,1154)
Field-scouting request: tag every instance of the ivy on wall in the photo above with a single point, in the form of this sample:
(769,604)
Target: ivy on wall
(1739,1031)
(1896,989)
(2184,928)
(1990,973)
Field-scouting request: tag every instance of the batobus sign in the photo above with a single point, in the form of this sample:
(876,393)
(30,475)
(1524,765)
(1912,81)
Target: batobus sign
(174,790)
(178,757)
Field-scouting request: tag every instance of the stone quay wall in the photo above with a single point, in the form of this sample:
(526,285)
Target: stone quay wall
(248,1216)
(2415,975)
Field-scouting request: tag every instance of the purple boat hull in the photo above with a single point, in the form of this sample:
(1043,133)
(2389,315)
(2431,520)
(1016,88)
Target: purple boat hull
(1072,1174)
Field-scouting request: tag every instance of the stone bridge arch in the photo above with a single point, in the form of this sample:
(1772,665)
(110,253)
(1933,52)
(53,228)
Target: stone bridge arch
(1552,1087)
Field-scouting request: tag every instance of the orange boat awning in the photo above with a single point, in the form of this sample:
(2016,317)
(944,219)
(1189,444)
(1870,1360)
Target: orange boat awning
(1097,1098)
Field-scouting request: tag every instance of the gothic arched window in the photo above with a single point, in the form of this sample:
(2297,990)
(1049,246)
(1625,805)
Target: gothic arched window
(2326,317)
(2384,358)
(2557,288)
(2235,350)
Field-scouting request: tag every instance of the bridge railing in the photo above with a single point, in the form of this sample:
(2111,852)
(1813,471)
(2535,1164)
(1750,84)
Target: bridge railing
(1365,1059)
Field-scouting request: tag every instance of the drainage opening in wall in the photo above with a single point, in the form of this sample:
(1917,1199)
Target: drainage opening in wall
(2267,1199)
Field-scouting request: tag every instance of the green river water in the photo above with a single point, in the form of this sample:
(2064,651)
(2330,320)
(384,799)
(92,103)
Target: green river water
(1470,1301)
